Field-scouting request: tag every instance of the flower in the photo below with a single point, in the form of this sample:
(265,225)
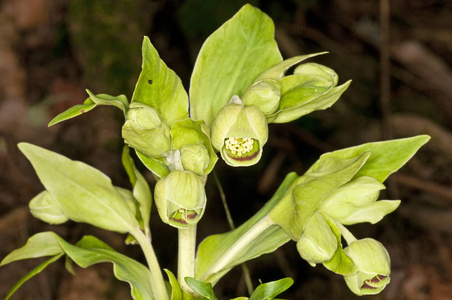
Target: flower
(373,264)
(180,198)
(239,133)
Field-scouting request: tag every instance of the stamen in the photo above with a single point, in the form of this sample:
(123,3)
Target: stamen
(239,145)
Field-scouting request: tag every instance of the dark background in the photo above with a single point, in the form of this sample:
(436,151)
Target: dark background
(51,50)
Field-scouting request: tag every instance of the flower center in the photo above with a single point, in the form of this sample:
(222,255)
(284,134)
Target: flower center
(239,146)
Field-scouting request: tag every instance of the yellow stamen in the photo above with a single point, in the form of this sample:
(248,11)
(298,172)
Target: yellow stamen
(239,145)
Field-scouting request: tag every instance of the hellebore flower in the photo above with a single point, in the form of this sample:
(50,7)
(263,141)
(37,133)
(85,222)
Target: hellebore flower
(374,266)
(194,157)
(145,131)
(356,202)
(239,132)
(318,242)
(264,94)
(180,199)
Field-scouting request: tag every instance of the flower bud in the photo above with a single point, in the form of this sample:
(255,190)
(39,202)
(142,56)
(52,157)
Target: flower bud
(373,263)
(195,157)
(318,242)
(264,94)
(239,132)
(44,208)
(145,131)
(356,202)
(180,199)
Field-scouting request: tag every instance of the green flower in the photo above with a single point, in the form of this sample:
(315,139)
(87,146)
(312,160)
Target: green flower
(356,202)
(374,266)
(239,132)
(318,242)
(145,131)
(180,198)
(264,94)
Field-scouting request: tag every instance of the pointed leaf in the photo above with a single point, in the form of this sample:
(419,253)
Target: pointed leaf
(157,167)
(230,60)
(159,87)
(73,112)
(83,193)
(269,290)
(176,291)
(387,157)
(120,101)
(203,288)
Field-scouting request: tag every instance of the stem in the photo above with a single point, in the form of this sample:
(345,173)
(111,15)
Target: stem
(157,282)
(186,257)
(348,236)
(230,254)
(245,270)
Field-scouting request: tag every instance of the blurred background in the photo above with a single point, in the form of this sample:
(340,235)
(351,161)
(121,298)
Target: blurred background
(398,57)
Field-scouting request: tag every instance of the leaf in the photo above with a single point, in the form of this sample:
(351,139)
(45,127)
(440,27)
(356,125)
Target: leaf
(230,60)
(176,291)
(316,102)
(120,101)
(311,189)
(73,112)
(158,168)
(44,207)
(35,271)
(203,288)
(387,157)
(159,87)
(88,251)
(141,191)
(83,193)
(217,254)
(269,290)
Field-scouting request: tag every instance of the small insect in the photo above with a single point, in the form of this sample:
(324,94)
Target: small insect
(150,81)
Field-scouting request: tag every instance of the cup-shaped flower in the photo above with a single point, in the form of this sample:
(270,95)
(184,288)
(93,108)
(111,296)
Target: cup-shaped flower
(373,264)
(239,132)
(318,242)
(145,131)
(356,202)
(180,199)
(264,94)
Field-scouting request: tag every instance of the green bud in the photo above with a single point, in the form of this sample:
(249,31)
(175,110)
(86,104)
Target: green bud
(264,94)
(180,199)
(318,242)
(45,208)
(356,202)
(239,132)
(194,157)
(145,131)
(374,266)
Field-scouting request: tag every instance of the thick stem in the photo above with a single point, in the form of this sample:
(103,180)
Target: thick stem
(186,257)
(157,282)
(231,254)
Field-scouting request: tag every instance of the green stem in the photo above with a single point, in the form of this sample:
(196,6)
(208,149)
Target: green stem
(348,236)
(231,254)
(186,257)
(157,282)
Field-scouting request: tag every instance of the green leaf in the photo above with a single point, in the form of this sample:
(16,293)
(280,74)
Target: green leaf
(120,101)
(141,191)
(176,291)
(269,290)
(73,112)
(44,207)
(83,193)
(230,60)
(217,254)
(203,288)
(157,167)
(290,112)
(387,157)
(340,263)
(159,87)
(35,271)
(312,188)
